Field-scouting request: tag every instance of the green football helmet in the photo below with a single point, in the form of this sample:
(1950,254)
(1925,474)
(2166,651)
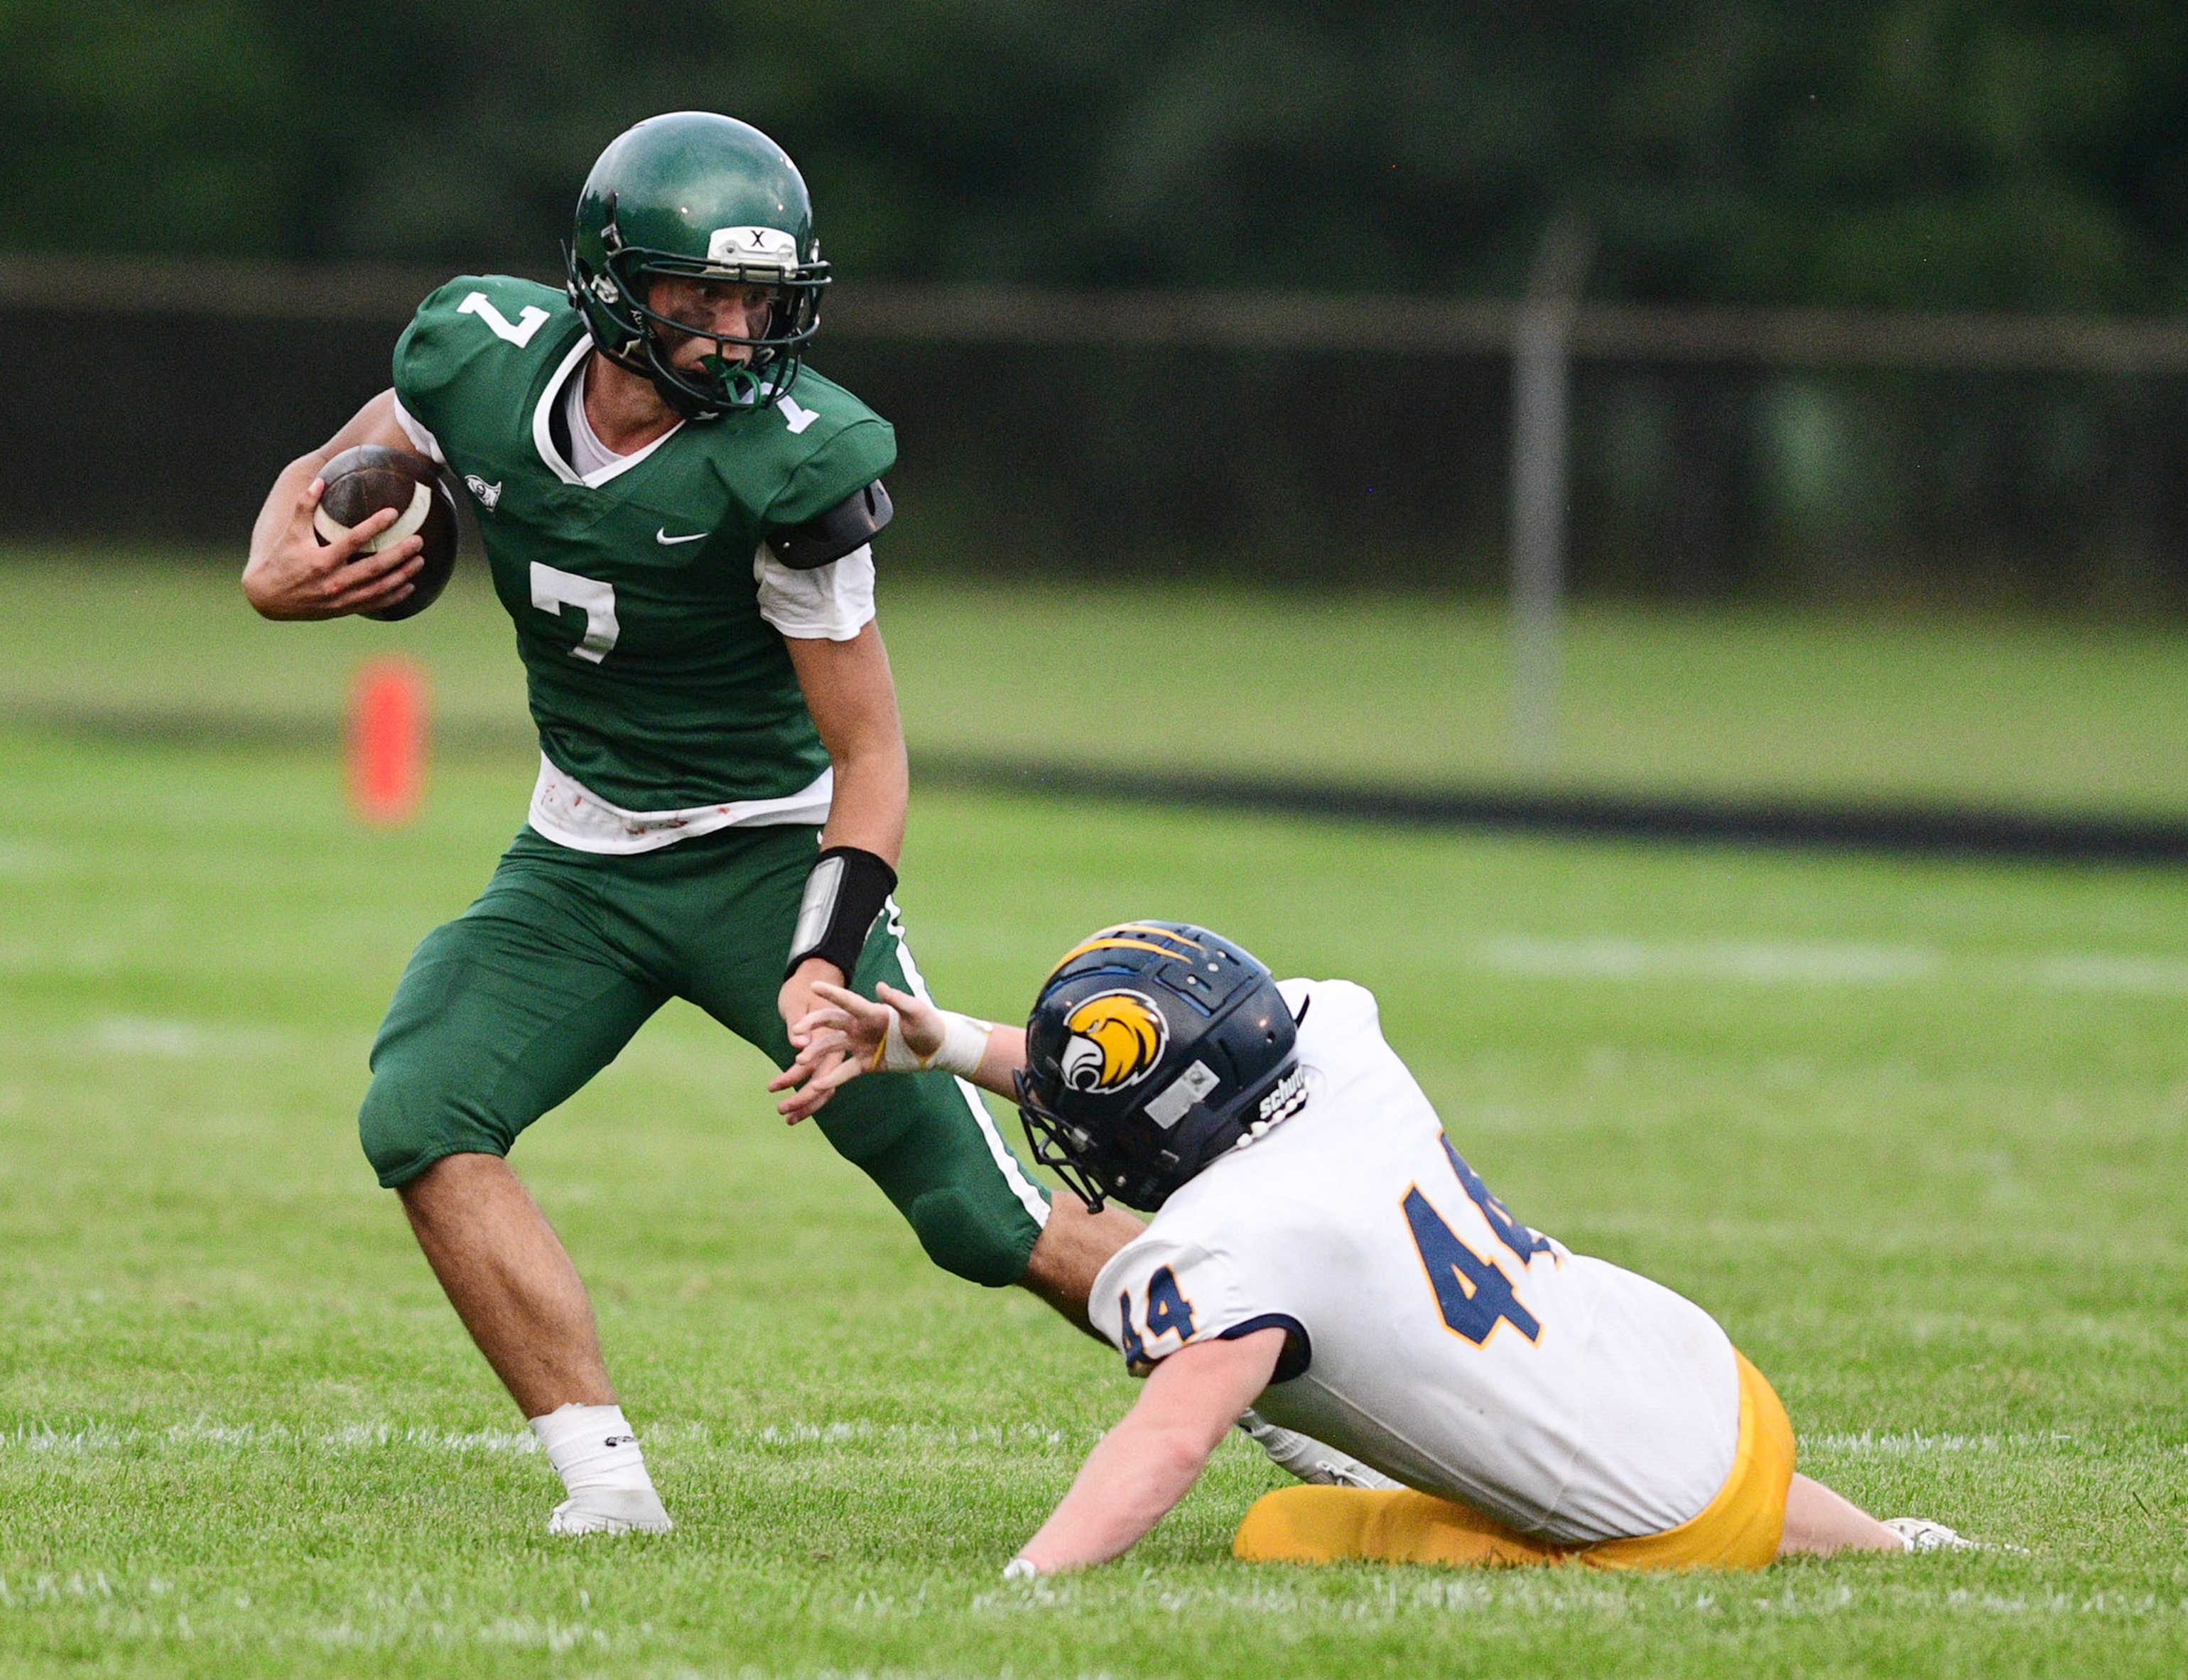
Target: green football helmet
(703,197)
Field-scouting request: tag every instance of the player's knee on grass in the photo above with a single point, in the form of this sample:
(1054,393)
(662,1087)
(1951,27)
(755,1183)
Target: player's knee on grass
(1398,1525)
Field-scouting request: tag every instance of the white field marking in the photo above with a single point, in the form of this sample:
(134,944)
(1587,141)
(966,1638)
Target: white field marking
(28,860)
(1549,1594)
(925,1435)
(138,1035)
(380,1620)
(100,1438)
(30,956)
(1824,964)
(551,1636)
(2152,976)
(1865,1443)
(2138,1606)
(521,1631)
(1371,1600)
(1757,963)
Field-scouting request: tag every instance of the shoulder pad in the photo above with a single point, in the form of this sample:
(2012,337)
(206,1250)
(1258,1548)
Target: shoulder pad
(474,320)
(843,529)
(490,308)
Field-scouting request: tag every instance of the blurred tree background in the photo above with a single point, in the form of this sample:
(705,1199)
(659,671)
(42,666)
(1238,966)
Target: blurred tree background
(1925,153)
(2009,154)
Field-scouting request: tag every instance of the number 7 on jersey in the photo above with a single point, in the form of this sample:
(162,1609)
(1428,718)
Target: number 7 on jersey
(552,590)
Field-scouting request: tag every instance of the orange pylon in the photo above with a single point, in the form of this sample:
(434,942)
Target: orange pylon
(389,724)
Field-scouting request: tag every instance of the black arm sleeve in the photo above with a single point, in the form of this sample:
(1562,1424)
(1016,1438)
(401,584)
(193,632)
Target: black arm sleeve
(844,528)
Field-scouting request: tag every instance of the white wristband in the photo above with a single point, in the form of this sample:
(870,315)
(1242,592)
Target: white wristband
(1020,1569)
(964,1048)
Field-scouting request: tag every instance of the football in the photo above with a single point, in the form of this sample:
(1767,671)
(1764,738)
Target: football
(362,480)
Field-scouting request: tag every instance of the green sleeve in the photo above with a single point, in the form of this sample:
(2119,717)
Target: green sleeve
(848,461)
(425,356)
(442,339)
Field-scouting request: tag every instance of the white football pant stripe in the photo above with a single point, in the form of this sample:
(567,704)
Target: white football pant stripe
(1006,1163)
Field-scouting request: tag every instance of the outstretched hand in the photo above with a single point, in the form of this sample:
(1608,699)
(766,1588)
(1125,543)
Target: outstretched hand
(847,1035)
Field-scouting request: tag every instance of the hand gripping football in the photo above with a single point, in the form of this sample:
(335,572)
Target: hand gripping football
(361,482)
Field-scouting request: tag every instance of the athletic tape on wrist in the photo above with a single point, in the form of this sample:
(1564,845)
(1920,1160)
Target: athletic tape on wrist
(847,890)
(964,1046)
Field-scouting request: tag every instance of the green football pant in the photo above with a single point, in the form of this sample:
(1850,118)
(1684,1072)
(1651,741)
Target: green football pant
(506,1011)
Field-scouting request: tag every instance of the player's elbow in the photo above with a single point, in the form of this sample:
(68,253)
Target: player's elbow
(875,753)
(1174,1458)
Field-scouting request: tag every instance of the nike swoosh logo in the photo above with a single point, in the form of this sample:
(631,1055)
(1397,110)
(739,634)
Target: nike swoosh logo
(663,536)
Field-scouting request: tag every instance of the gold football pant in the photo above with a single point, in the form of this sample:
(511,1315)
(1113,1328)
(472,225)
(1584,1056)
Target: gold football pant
(1738,1529)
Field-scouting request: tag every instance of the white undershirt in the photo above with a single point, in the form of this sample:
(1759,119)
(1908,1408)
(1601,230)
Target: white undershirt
(421,440)
(588,454)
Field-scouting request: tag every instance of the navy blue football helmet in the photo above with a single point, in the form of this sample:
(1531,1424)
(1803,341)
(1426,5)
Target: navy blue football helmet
(1153,1047)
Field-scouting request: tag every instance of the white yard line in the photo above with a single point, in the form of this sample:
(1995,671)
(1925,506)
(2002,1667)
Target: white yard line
(179,1040)
(99,1438)
(1756,963)
(1567,1593)
(1766,962)
(28,860)
(204,1433)
(1915,1444)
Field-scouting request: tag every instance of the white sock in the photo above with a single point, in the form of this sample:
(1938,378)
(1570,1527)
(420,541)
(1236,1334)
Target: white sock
(1308,1459)
(592,1447)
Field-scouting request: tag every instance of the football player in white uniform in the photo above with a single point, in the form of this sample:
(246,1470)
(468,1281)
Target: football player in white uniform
(1320,1252)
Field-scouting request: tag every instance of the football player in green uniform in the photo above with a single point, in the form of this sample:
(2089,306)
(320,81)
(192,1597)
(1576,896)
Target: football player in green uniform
(678,515)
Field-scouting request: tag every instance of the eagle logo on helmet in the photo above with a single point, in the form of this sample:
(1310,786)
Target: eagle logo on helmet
(1115,1041)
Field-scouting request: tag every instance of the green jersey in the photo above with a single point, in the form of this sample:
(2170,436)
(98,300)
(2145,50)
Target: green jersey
(654,680)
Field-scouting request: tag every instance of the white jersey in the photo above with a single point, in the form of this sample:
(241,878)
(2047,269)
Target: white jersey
(1430,1334)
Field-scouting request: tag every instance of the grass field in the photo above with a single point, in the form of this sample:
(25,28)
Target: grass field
(1914,1132)
(1407,689)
